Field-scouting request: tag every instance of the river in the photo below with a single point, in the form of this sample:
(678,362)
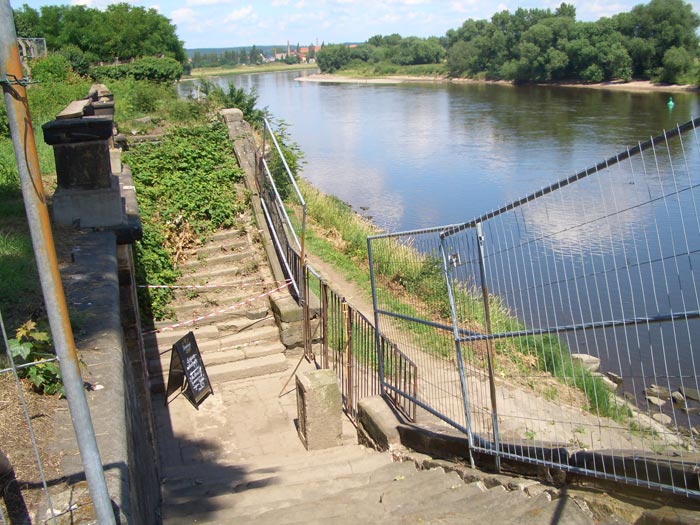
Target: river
(422,155)
(428,154)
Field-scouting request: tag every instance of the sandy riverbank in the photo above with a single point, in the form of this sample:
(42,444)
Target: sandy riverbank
(633,86)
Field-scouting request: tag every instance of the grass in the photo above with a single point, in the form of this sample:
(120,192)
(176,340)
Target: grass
(412,283)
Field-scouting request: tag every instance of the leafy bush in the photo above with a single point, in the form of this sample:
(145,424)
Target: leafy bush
(239,98)
(79,60)
(185,184)
(33,346)
(149,68)
(52,68)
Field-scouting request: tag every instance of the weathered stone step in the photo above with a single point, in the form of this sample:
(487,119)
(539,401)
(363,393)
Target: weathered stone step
(238,284)
(225,235)
(204,305)
(217,357)
(232,507)
(212,340)
(231,371)
(373,503)
(167,338)
(240,480)
(230,245)
(273,463)
(229,273)
(259,366)
(215,260)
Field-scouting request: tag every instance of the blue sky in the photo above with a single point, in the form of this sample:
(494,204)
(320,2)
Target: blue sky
(224,23)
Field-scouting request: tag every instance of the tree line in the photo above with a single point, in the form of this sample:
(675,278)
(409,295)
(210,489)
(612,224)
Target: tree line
(241,56)
(86,35)
(655,41)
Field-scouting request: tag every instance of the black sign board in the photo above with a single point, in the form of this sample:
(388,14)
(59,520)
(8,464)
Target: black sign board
(187,373)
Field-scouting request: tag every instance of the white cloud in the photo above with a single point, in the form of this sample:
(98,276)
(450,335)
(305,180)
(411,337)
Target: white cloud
(184,14)
(207,2)
(279,3)
(239,14)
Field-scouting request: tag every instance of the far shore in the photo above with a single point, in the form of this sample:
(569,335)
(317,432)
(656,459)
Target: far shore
(632,86)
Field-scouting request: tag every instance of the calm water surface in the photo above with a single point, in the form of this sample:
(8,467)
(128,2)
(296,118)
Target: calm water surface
(422,155)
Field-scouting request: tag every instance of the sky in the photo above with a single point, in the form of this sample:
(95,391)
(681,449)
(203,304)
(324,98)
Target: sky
(232,23)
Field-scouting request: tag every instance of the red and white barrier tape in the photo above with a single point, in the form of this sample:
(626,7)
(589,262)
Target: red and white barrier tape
(198,286)
(219,312)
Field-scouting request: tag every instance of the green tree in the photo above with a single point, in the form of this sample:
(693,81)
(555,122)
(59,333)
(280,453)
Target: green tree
(332,57)
(676,63)
(663,24)
(27,21)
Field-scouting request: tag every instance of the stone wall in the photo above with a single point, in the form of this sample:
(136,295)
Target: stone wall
(98,275)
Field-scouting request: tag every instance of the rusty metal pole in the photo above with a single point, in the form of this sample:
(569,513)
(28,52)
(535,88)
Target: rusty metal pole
(15,94)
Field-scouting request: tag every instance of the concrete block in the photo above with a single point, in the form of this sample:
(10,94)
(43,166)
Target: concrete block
(292,334)
(231,115)
(319,408)
(377,422)
(285,308)
(89,208)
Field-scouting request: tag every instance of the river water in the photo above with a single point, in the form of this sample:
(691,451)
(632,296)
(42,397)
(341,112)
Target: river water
(422,155)
(428,154)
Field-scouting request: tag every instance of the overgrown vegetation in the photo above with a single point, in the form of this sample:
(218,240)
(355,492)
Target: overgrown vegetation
(655,41)
(186,190)
(31,345)
(154,69)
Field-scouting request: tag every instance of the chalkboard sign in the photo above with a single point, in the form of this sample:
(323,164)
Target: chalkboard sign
(187,373)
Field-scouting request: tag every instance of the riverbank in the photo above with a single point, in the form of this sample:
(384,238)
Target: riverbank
(245,70)
(632,86)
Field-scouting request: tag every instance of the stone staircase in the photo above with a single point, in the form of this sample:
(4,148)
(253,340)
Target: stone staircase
(355,485)
(237,457)
(235,329)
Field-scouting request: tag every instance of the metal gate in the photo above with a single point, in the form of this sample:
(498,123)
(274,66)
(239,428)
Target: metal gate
(560,328)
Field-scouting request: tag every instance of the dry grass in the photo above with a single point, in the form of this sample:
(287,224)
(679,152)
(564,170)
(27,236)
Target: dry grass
(16,442)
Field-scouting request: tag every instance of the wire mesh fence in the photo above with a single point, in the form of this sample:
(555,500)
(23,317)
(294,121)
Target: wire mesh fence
(566,320)
(23,481)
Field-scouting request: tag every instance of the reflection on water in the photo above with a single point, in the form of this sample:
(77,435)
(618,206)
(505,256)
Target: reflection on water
(419,155)
(423,155)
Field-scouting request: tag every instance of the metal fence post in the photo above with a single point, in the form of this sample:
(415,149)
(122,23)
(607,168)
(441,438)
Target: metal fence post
(489,353)
(16,102)
(348,353)
(458,348)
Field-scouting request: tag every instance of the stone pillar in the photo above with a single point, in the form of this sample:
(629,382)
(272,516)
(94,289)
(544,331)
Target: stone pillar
(320,410)
(87,193)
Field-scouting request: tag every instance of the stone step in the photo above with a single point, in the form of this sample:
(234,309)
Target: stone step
(205,304)
(230,371)
(167,338)
(241,478)
(243,507)
(276,463)
(370,504)
(230,245)
(216,260)
(240,285)
(226,235)
(212,340)
(258,366)
(217,357)
(231,273)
